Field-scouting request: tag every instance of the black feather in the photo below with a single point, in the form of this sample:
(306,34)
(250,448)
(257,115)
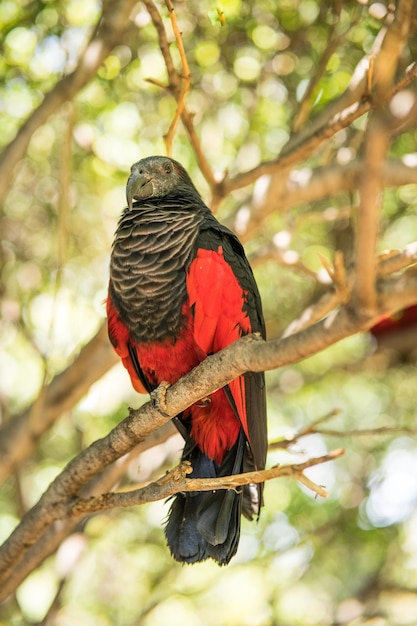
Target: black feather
(204,525)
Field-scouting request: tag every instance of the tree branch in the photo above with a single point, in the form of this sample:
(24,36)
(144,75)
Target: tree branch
(174,87)
(176,481)
(299,150)
(163,43)
(377,138)
(110,31)
(333,41)
(397,261)
(389,263)
(300,146)
(309,186)
(60,529)
(185,80)
(19,436)
(315,428)
(376,294)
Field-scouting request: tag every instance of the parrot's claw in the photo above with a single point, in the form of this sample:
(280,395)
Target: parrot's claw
(158,398)
(203,402)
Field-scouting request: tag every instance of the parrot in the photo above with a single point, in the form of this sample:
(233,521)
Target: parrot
(181,289)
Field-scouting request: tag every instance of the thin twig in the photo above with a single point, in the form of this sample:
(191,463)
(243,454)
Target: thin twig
(315,429)
(286,258)
(174,88)
(387,264)
(176,481)
(367,432)
(313,313)
(395,261)
(185,80)
(303,432)
(333,41)
(203,164)
(163,44)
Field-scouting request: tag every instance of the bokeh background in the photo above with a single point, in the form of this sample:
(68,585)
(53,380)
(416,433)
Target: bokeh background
(349,559)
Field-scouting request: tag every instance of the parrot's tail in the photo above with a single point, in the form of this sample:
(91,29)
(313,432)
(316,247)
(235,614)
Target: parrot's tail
(206,524)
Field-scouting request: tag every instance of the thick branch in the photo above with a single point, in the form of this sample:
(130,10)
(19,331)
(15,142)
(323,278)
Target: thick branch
(308,186)
(59,530)
(367,228)
(377,138)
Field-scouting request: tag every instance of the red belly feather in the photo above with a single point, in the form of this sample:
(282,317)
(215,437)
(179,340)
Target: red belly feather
(214,426)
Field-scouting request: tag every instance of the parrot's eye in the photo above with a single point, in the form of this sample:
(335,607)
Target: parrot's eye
(167,168)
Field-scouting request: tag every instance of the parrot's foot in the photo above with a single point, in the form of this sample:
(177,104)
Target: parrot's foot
(158,398)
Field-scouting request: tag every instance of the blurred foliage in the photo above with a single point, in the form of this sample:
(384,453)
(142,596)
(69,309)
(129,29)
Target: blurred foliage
(307,561)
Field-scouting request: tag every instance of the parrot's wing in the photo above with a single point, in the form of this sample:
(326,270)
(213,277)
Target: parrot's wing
(226,305)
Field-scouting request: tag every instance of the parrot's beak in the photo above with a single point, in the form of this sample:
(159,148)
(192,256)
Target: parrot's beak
(138,186)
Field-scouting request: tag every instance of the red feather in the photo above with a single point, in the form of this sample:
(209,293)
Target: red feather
(400,319)
(219,319)
(120,337)
(216,299)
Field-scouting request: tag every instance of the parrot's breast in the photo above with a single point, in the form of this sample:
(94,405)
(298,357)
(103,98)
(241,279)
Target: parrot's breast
(151,252)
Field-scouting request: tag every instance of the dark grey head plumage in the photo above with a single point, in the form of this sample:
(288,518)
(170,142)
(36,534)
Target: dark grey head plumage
(157,177)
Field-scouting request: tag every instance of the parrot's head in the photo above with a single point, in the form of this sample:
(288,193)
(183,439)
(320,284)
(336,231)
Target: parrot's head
(156,177)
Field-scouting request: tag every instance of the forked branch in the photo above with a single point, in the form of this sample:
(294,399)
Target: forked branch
(176,481)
